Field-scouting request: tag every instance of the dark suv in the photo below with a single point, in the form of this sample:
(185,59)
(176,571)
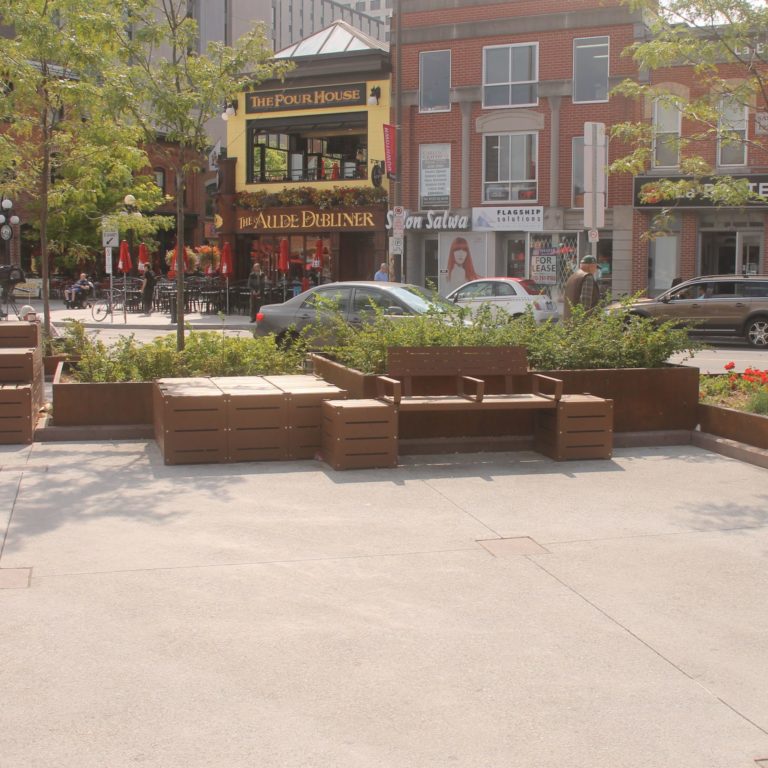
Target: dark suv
(718,305)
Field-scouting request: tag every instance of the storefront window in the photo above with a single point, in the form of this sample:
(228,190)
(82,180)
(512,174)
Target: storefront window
(309,259)
(554,257)
(516,266)
(430,263)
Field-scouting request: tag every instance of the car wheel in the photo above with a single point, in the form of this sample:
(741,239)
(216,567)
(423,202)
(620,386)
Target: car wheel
(757,332)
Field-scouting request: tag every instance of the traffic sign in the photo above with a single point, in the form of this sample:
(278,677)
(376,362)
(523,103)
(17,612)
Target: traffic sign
(398,221)
(110,239)
(594,236)
(396,246)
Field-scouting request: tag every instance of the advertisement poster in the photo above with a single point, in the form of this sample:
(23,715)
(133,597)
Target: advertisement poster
(462,257)
(434,176)
(544,265)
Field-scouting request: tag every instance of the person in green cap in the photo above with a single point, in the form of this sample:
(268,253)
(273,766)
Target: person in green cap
(582,287)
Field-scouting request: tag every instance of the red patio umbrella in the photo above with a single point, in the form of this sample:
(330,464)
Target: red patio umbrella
(317,262)
(225,265)
(124,261)
(283,262)
(143,255)
(226,260)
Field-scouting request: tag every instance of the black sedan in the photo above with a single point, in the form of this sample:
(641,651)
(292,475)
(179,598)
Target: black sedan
(354,300)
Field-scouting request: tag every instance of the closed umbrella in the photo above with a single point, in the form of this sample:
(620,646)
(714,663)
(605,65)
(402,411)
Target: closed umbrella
(124,261)
(226,266)
(283,262)
(124,265)
(143,255)
(317,261)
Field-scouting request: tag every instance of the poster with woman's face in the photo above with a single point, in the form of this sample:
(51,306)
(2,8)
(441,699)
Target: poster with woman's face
(462,257)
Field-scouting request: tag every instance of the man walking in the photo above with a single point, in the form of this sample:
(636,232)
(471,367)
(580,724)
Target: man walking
(582,287)
(257,282)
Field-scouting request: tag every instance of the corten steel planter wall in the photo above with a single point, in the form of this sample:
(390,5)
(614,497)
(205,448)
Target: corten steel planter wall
(748,428)
(645,399)
(76,404)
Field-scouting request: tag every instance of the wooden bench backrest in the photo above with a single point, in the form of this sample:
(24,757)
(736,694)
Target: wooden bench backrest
(406,363)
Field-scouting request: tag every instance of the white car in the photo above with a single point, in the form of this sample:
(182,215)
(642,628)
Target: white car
(513,295)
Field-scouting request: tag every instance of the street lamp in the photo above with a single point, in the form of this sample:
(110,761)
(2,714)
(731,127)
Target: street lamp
(7,222)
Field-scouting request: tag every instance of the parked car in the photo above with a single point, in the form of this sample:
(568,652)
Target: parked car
(355,301)
(513,295)
(717,305)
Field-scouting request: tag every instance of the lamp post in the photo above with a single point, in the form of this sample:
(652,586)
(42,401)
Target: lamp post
(7,222)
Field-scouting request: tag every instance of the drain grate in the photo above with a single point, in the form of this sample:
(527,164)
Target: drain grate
(520,545)
(15,578)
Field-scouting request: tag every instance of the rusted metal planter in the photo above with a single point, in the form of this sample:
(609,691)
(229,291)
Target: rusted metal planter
(749,428)
(645,399)
(77,404)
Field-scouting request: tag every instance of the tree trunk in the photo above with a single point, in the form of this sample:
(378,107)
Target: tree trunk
(180,245)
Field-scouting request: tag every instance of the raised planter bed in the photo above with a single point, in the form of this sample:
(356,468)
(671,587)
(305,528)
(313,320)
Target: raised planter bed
(104,403)
(748,428)
(645,399)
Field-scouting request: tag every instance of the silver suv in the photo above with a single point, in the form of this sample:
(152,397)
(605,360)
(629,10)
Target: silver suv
(717,305)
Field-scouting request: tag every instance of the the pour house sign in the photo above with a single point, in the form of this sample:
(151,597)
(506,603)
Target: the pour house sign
(306,98)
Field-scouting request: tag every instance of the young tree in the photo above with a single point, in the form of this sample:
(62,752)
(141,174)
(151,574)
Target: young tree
(721,48)
(173,91)
(62,148)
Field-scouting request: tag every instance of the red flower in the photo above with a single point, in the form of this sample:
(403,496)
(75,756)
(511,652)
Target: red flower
(730,366)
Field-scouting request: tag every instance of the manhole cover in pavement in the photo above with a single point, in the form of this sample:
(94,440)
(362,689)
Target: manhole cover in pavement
(521,545)
(15,578)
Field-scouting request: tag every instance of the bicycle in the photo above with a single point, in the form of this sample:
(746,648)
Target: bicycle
(101,308)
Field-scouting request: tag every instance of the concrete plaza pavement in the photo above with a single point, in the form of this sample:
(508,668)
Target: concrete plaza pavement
(476,610)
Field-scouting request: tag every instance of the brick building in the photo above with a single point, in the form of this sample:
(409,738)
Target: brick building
(494,99)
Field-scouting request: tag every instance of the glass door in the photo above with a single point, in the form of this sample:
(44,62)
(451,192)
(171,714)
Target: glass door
(750,247)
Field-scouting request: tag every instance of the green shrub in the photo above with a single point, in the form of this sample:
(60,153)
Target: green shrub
(206,353)
(597,339)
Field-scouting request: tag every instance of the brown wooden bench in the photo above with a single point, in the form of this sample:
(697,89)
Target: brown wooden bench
(360,433)
(467,369)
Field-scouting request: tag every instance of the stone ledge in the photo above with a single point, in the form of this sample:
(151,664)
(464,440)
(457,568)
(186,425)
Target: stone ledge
(731,448)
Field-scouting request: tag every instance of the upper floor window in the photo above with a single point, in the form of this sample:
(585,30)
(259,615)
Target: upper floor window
(666,134)
(510,75)
(590,69)
(435,81)
(160,179)
(732,132)
(510,167)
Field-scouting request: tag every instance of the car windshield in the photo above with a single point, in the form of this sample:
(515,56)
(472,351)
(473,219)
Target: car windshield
(420,299)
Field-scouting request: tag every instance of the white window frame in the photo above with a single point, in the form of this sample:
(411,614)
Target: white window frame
(576,40)
(534,180)
(535,81)
(721,126)
(428,110)
(656,132)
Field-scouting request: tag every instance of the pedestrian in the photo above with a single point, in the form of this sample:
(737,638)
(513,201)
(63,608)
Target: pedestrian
(257,284)
(582,288)
(147,289)
(383,273)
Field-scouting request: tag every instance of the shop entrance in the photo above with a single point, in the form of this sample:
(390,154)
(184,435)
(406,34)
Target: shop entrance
(357,256)
(731,253)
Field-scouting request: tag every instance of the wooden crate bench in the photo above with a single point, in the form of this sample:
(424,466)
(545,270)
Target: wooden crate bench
(572,427)
(359,434)
(190,421)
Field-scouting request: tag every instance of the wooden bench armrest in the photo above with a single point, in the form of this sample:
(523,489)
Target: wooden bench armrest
(479,386)
(383,383)
(537,379)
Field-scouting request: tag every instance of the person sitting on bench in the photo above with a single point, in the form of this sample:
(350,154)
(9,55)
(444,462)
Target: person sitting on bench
(75,295)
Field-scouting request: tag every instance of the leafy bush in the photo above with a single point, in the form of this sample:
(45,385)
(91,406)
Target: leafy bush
(207,353)
(597,339)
